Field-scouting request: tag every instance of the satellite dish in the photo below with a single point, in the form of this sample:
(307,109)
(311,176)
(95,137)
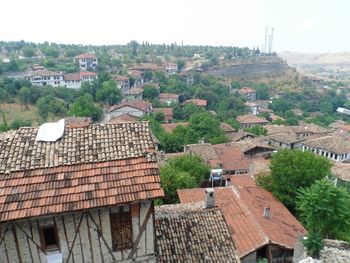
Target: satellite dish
(51,131)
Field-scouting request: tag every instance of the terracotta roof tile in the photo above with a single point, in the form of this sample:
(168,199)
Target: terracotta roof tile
(169,127)
(198,102)
(251,119)
(242,205)
(190,233)
(85,56)
(246,90)
(168,96)
(138,104)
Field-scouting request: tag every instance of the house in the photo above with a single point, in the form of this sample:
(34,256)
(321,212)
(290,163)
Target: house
(137,78)
(137,108)
(249,121)
(74,80)
(342,174)
(197,102)
(334,251)
(221,156)
(145,67)
(254,148)
(227,128)
(169,127)
(133,94)
(193,232)
(84,196)
(334,147)
(170,68)
(123,82)
(40,76)
(255,107)
(260,225)
(187,77)
(124,118)
(168,113)
(168,98)
(247,93)
(86,61)
(287,140)
(241,136)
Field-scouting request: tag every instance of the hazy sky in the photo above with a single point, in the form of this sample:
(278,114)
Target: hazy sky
(299,25)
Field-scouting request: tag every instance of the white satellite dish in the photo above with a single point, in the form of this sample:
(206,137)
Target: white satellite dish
(51,131)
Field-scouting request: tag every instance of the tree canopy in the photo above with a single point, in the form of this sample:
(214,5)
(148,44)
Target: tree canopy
(84,107)
(292,170)
(182,172)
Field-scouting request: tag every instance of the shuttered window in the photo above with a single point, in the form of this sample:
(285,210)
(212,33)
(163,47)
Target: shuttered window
(121,228)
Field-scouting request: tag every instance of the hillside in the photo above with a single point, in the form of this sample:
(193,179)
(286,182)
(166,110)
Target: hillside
(255,69)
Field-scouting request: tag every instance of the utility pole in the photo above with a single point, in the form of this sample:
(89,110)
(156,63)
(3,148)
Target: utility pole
(265,47)
(270,41)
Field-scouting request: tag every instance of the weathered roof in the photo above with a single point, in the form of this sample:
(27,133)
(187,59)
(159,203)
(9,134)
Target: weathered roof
(125,117)
(190,233)
(288,137)
(166,111)
(204,150)
(71,76)
(246,90)
(85,56)
(251,119)
(237,136)
(66,188)
(243,204)
(134,91)
(137,104)
(247,145)
(331,143)
(197,102)
(87,74)
(120,78)
(94,143)
(335,251)
(342,171)
(227,128)
(231,157)
(168,96)
(169,127)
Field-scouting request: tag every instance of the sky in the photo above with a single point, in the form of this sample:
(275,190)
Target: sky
(299,25)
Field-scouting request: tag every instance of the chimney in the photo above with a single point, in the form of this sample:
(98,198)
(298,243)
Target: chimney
(267,212)
(209,198)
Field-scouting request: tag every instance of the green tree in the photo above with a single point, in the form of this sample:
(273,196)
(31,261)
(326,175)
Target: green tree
(207,127)
(325,211)
(292,170)
(150,92)
(257,130)
(159,116)
(182,172)
(17,123)
(28,52)
(191,109)
(109,93)
(24,97)
(84,107)
(43,106)
(180,64)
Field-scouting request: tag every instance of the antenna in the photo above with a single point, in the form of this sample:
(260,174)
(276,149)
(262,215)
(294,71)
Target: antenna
(265,46)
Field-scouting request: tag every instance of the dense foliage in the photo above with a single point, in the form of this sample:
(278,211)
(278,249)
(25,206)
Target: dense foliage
(182,172)
(292,170)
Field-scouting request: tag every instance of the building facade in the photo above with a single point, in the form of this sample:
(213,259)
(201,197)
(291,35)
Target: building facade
(86,62)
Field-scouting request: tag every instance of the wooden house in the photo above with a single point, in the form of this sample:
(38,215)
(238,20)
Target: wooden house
(86,197)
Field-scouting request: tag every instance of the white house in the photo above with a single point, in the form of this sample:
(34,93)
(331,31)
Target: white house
(40,76)
(137,108)
(334,147)
(171,68)
(86,61)
(74,80)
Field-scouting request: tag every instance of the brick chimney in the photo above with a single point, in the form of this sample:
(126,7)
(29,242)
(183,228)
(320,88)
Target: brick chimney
(209,198)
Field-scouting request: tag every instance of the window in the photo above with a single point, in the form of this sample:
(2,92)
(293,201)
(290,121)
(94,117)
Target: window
(121,230)
(49,238)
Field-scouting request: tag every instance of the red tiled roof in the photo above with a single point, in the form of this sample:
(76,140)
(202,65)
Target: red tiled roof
(138,104)
(251,119)
(85,56)
(135,73)
(120,78)
(243,205)
(87,74)
(168,96)
(231,158)
(71,76)
(123,118)
(197,102)
(66,188)
(246,90)
(169,127)
(166,111)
